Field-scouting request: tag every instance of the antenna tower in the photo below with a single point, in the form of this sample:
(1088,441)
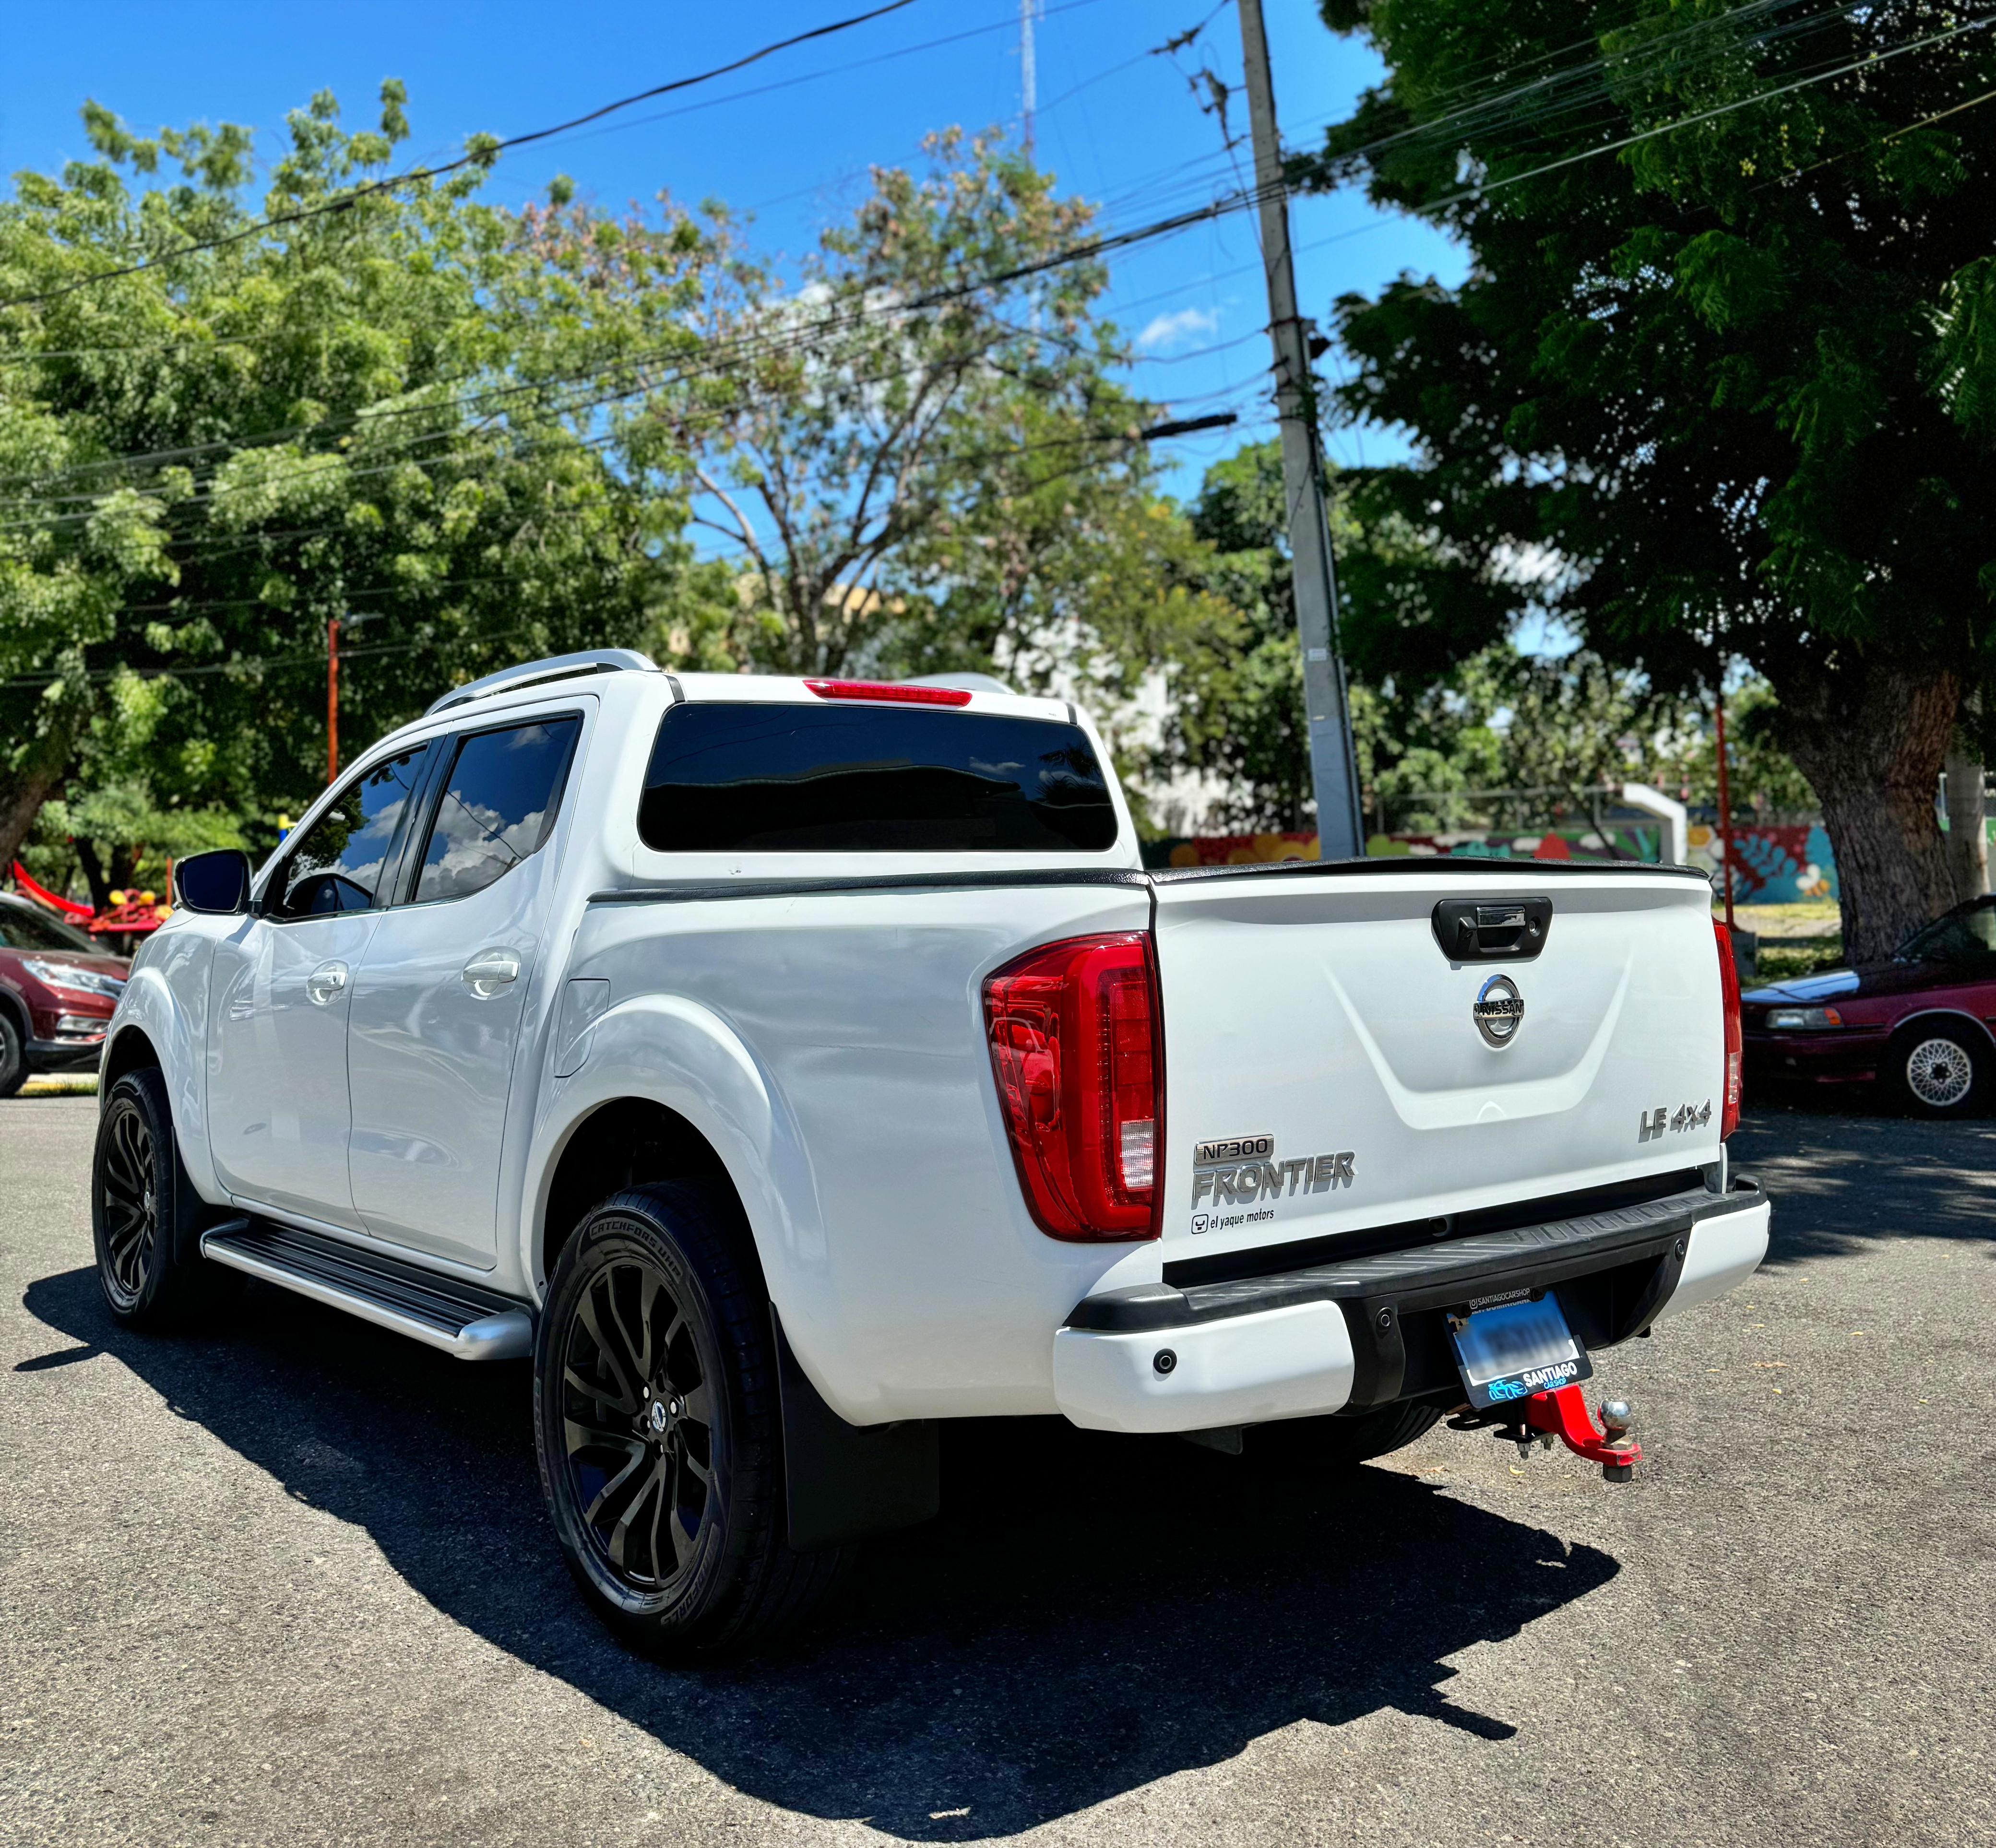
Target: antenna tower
(1029,84)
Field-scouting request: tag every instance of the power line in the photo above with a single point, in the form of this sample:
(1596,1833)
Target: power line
(1128,436)
(1865,63)
(799,337)
(812,77)
(482,154)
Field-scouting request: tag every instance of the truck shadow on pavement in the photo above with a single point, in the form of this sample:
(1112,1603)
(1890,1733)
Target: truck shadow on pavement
(1089,1614)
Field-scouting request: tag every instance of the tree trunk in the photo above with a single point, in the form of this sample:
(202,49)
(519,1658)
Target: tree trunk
(23,791)
(96,880)
(1967,835)
(1870,735)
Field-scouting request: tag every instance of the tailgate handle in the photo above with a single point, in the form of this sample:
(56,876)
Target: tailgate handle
(1484,930)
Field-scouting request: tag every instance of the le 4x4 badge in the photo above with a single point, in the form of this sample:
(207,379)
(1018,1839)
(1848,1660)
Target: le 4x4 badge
(1650,1126)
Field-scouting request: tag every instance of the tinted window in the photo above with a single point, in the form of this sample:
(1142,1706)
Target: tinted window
(339,866)
(21,929)
(1961,937)
(496,807)
(871,779)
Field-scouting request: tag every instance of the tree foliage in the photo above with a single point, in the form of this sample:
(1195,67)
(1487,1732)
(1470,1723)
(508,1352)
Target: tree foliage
(1498,719)
(399,408)
(916,452)
(1720,389)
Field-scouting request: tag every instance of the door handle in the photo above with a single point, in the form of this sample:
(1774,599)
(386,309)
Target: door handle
(327,982)
(488,972)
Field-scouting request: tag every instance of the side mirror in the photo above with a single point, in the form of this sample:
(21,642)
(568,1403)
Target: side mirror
(217,883)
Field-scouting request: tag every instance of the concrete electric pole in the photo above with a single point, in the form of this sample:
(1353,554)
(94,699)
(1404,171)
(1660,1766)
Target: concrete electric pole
(1333,770)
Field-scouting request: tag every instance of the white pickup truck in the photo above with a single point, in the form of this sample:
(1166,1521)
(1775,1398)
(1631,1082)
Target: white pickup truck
(787,1065)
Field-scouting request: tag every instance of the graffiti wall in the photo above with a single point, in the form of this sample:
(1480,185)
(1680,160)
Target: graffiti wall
(1770,865)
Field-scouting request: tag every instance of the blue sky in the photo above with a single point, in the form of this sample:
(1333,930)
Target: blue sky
(791,139)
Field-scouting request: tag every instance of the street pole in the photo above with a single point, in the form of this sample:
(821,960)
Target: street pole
(1333,770)
(331,700)
(353,619)
(1725,793)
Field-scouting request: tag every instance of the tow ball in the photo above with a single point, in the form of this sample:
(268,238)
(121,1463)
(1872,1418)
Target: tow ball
(1563,1415)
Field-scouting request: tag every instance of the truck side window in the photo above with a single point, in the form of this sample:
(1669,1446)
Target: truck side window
(340,865)
(871,779)
(498,806)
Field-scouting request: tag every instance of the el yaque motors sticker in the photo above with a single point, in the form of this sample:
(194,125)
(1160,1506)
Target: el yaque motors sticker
(1244,1172)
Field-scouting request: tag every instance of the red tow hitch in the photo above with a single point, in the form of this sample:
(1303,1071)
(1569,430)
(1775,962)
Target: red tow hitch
(1563,1414)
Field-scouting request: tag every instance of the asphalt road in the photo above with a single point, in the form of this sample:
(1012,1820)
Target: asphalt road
(288,1580)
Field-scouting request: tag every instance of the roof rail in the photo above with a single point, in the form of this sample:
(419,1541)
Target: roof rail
(555,667)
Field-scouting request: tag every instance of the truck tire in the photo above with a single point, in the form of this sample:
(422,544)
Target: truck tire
(1343,1441)
(658,1428)
(145,1216)
(1938,1069)
(13,1055)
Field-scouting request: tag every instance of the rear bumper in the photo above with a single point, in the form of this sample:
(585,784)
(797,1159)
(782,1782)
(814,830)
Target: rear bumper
(1372,1330)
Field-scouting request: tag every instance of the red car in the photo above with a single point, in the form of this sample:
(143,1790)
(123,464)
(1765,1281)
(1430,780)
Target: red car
(57,992)
(1921,1025)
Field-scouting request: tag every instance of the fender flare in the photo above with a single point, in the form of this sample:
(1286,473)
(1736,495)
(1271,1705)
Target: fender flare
(150,1005)
(682,1055)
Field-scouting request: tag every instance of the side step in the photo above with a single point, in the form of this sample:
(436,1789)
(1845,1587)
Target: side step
(472,1323)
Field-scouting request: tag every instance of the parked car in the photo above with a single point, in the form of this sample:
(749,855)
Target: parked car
(787,1065)
(1919,1025)
(57,989)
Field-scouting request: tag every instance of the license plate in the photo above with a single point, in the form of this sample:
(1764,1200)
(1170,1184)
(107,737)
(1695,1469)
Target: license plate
(1517,1349)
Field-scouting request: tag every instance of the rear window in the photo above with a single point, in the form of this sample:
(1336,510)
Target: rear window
(871,780)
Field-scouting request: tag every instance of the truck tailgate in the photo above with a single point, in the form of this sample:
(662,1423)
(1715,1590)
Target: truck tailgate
(1325,1069)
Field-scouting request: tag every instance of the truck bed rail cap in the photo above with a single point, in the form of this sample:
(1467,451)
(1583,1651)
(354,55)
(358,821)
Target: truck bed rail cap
(1472,865)
(553,667)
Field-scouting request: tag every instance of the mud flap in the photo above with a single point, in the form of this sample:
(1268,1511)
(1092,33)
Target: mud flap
(845,1482)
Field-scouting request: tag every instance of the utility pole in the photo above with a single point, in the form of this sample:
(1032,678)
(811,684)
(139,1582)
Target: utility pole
(1333,770)
(353,619)
(1029,70)
(331,700)
(1725,790)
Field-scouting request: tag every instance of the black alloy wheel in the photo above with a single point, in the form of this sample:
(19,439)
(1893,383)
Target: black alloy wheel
(659,1431)
(131,1208)
(145,1217)
(637,1423)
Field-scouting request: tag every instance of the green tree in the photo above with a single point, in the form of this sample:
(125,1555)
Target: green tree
(401,408)
(1236,716)
(1731,377)
(897,425)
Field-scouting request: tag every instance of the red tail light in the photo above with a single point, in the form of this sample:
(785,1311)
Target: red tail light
(887,689)
(1075,1042)
(1729,993)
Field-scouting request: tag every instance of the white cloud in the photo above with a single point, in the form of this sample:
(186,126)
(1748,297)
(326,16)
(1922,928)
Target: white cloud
(1168,331)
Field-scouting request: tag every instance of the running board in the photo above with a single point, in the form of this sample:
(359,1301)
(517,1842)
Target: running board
(460,1318)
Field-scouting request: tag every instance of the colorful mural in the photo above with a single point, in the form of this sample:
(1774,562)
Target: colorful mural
(1771,866)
